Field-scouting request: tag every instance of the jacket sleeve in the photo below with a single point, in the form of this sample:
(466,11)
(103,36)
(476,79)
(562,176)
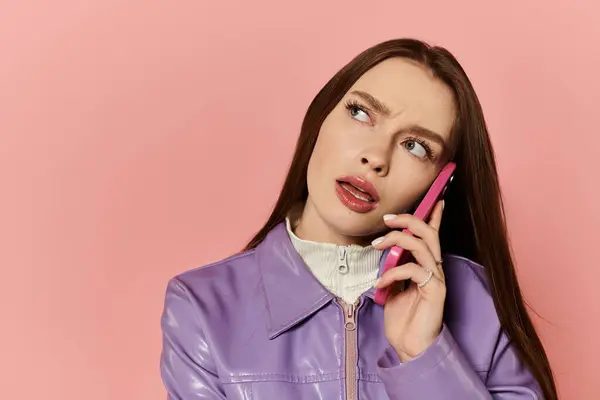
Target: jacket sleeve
(443,372)
(186,366)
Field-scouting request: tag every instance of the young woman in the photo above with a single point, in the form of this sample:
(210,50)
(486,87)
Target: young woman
(293,317)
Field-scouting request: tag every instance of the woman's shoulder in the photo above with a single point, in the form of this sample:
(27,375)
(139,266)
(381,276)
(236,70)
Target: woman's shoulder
(218,279)
(217,268)
(469,311)
(467,285)
(459,267)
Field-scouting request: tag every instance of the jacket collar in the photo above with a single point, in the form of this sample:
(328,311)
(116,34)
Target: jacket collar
(291,291)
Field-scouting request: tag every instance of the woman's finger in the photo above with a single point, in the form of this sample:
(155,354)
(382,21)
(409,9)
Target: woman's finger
(418,248)
(419,228)
(435,219)
(415,273)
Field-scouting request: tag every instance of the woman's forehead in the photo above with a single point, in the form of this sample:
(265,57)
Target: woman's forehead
(403,86)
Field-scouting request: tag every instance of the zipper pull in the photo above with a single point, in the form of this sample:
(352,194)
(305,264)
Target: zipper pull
(343,267)
(350,317)
(342,251)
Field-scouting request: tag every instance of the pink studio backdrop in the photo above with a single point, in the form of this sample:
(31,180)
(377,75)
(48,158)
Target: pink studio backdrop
(140,139)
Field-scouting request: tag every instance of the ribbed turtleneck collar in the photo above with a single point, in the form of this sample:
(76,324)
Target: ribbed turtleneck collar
(346,271)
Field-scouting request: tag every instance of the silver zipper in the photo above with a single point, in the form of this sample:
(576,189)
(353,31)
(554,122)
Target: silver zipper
(351,347)
(343,264)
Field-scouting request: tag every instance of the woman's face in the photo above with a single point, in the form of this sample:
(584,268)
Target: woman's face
(388,137)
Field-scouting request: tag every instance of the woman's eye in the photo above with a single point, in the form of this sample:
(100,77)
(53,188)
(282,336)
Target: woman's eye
(416,148)
(357,113)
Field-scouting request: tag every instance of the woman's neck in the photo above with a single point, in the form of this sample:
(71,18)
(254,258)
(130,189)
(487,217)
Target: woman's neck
(308,225)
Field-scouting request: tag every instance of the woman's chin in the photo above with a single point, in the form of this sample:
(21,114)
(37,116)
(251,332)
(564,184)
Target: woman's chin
(363,227)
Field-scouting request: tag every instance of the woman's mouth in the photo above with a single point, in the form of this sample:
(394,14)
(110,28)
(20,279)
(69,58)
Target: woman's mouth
(357,193)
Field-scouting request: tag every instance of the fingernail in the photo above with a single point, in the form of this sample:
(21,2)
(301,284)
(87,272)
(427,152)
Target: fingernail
(378,240)
(443,204)
(389,217)
(377,282)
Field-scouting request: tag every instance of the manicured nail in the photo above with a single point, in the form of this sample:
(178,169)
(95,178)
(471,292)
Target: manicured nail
(377,282)
(377,241)
(389,217)
(443,204)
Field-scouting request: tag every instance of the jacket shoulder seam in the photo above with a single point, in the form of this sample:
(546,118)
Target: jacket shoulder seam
(477,270)
(219,262)
(468,261)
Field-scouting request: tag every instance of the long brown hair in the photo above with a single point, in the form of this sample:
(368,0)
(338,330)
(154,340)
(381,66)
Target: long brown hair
(474,218)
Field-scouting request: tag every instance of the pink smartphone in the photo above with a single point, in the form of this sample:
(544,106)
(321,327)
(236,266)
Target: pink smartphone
(397,256)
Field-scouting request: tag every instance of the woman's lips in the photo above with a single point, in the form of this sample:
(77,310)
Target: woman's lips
(362,184)
(356,193)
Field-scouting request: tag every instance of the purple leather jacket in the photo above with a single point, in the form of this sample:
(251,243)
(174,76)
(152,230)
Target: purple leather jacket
(258,325)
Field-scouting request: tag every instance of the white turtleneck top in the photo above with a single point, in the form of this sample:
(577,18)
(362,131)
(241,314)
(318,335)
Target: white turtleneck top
(346,271)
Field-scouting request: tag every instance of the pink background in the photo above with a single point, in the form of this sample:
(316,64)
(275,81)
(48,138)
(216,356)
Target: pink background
(115,119)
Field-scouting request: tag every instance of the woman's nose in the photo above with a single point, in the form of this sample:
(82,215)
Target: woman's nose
(377,163)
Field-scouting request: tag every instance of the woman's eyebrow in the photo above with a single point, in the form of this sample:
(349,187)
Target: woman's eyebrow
(383,109)
(377,105)
(427,133)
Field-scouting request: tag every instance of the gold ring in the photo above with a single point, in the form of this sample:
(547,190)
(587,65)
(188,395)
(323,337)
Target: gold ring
(426,280)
